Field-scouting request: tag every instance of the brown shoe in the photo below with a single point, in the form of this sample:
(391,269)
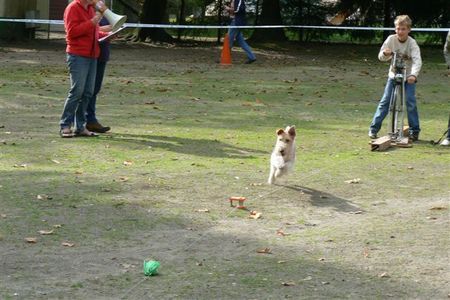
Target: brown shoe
(97,127)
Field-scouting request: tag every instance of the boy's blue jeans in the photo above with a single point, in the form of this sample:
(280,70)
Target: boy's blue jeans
(82,79)
(90,113)
(383,107)
(236,34)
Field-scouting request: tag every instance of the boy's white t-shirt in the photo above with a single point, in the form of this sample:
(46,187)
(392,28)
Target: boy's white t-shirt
(409,49)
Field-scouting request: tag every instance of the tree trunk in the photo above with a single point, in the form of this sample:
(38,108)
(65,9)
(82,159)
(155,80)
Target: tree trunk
(270,15)
(154,12)
(219,15)
(181,18)
(387,18)
(257,12)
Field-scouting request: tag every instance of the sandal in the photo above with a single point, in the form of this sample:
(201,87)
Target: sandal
(66,133)
(86,133)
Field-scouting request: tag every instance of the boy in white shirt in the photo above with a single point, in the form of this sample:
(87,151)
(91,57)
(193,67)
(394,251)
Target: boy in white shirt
(405,45)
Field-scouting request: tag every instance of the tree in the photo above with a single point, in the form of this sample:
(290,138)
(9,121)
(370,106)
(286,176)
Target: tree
(181,17)
(270,15)
(387,17)
(154,12)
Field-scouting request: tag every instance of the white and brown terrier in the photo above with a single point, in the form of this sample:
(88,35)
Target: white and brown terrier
(283,155)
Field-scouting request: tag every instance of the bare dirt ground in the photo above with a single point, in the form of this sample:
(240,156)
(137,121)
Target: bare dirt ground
(187,134)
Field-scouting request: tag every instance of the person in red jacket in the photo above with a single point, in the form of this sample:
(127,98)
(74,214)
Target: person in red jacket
(82,34)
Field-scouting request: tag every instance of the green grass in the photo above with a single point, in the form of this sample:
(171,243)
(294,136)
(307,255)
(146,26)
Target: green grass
(197,133)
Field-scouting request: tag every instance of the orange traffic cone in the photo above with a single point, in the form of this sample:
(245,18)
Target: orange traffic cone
(225,58)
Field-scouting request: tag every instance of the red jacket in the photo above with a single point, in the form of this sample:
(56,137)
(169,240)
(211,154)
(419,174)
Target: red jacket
(81,34)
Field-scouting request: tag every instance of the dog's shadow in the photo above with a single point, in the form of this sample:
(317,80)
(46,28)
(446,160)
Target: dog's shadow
(323,199)
(197,147)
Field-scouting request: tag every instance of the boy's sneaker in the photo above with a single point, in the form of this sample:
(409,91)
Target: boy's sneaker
(414,136)
(445,142)
(372,135)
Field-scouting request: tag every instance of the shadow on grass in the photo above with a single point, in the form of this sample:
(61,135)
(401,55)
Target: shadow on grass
(198,147)
(199,259)
(323,199)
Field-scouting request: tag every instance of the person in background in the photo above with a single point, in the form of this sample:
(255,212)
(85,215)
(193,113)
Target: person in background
(446,142)
(237,15)
(447,50)
(92,123)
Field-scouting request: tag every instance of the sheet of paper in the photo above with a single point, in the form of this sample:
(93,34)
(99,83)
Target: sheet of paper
(111,34)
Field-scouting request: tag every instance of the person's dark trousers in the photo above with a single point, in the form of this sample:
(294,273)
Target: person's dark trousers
(448,132)
(90,112)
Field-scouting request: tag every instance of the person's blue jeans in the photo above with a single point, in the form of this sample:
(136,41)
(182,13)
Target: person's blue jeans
(383,107)
(82,79)
(236,34)
(90,112)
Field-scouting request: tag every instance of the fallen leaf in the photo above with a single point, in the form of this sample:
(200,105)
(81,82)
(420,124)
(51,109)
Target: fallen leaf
(56,161)
(3,216)
(67,244)
(384,275)
(438,208)
(205,210)
(321,259)
(356,180)
(264,251)
(127,266)
(57,226)
(358,212)
(307,278)
(20,166)
(78,172)
(366,253)
(31,240)
(281,232)
(43,197)
(127,163)
(325,282)
(255,215)
(123,179)
(282,262)
(45,232)
(288,283)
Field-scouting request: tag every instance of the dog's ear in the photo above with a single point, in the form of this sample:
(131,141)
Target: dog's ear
(280,131)
(292,131)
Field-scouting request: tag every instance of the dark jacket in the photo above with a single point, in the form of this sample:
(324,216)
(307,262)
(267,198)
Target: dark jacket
(239,12)
(104,46)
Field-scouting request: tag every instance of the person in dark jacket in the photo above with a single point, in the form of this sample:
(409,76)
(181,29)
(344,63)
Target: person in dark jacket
(92,123)
(237,15)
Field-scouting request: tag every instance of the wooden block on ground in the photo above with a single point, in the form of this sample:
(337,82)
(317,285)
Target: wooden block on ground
(403,143)
(381,143)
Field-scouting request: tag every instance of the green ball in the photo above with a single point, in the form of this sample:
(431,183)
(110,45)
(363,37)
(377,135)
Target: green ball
(151,267)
